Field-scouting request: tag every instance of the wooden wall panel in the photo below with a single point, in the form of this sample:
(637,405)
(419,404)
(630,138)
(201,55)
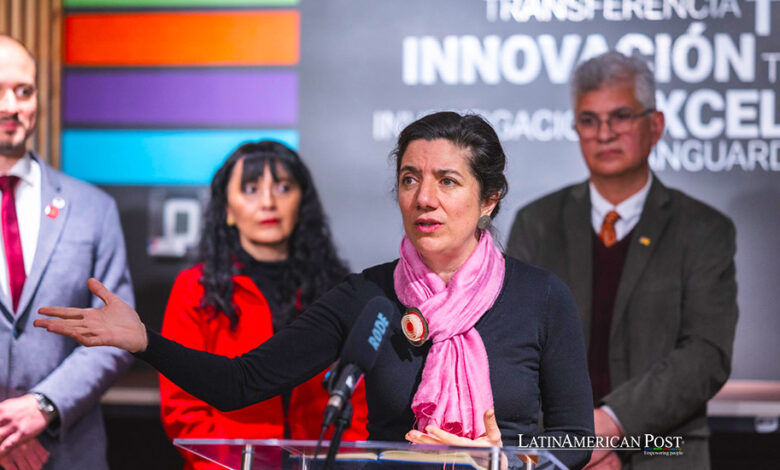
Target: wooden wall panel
(37,24)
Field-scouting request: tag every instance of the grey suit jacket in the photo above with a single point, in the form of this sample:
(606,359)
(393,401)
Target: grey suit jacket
(675,309)
(84,240)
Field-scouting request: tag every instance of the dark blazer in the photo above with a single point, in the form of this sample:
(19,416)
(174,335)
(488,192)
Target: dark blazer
(675,310)
(84,240)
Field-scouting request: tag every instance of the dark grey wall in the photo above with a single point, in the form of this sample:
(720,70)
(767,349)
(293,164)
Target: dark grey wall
(717,84)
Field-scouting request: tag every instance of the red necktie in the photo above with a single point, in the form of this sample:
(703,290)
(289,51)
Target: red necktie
(11,239)
(607,235)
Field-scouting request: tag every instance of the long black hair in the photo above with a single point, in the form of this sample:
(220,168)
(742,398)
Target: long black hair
(312,265)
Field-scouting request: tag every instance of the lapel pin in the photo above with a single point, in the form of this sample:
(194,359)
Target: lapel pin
(51,211)
(414,326)
(644,241)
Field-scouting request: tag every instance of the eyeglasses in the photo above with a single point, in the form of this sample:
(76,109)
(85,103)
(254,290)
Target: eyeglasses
(619,122)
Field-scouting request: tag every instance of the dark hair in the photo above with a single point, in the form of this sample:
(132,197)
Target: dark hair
(469,132)
(313,266)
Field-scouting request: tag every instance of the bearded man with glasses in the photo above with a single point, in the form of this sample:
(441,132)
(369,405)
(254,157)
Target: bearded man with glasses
(651,269)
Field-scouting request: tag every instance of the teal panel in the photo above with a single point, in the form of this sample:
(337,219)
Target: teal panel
(155,157)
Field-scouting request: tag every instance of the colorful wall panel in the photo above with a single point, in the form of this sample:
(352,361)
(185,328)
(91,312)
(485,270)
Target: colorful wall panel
(155,157)
(156,94)
(253,38)
(180,97)
(177,70)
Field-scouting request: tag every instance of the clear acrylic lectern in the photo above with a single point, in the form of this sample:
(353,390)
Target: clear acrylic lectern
(284,454)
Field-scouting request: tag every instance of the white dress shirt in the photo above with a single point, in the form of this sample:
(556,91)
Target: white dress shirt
(630,210)
(28,215)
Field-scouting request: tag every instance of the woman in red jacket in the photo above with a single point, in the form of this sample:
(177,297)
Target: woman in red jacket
(266,254)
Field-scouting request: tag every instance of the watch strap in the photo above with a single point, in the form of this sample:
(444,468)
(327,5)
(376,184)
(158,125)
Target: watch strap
(45,405)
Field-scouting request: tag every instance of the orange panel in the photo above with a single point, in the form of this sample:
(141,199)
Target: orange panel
(183,38)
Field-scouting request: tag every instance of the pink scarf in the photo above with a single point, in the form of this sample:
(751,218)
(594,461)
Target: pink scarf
(455,389)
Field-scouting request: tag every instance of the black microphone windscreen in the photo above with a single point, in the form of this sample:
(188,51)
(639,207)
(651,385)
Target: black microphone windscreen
(362,345)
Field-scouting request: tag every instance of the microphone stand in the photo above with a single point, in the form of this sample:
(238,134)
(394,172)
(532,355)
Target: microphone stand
(342,423)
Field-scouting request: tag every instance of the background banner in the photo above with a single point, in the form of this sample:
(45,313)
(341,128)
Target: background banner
(338,79)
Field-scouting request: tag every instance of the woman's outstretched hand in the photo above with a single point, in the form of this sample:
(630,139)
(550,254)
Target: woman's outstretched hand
(114,324)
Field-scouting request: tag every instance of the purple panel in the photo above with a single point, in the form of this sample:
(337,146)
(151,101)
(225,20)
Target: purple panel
(175,97)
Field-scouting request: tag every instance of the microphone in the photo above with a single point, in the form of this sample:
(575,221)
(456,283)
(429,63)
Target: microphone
(359,353)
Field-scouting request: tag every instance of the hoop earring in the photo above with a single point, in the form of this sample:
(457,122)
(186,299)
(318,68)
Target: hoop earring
(483,222)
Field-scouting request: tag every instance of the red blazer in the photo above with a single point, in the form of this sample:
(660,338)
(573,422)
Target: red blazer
(185,416)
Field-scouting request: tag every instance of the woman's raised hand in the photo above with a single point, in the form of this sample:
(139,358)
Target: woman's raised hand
(114,324)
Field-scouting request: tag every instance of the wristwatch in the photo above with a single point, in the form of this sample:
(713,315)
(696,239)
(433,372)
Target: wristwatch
(46,406)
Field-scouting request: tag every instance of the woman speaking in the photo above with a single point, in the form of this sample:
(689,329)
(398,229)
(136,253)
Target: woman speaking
(493,340)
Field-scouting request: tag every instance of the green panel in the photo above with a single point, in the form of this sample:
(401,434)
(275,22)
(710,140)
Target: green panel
(174,3)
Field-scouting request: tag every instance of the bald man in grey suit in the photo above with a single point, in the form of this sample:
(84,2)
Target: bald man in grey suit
(61,233)
(651,270)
